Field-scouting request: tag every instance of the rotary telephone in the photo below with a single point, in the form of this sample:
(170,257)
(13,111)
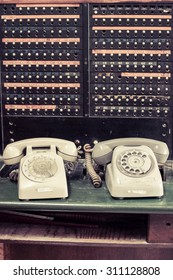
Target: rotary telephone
(41,171)
(132,166)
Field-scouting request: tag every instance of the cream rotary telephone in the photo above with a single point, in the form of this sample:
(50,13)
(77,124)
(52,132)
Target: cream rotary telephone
(132,166)
(41,171)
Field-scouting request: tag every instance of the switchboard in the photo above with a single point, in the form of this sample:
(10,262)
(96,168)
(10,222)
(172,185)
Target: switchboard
(42,72)
(86,72)
(131,60)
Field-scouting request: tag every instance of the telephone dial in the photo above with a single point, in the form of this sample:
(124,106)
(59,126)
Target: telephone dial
(132,166)
(41,171)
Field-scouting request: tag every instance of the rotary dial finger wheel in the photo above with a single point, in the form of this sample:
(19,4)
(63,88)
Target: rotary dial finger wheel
(135,162)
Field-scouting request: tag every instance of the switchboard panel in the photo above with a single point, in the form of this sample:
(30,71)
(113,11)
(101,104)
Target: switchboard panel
(131,61)
(42,71)
(86,72)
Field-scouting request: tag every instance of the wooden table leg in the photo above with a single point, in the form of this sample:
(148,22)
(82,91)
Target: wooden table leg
(160,228)
(1,251)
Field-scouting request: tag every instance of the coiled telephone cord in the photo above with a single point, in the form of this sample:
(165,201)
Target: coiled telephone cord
(96,180)
(13,175)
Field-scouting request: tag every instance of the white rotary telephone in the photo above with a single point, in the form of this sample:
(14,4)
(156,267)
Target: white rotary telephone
(132,166)
(41,172)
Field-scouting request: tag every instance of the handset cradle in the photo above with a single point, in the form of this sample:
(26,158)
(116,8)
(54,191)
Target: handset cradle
(132,166)
(41,171)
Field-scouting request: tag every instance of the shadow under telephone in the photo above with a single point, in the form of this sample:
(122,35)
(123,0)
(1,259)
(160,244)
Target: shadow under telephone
(41,172)
(132,166)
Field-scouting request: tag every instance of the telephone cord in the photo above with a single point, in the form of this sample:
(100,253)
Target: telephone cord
(96,180)
(13,175)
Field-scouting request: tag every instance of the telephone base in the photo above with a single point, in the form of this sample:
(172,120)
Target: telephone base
(133,188)
(122,185)
(42,188)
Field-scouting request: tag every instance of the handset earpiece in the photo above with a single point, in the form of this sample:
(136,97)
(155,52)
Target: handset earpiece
(102,153)
(12,154)
(67,151)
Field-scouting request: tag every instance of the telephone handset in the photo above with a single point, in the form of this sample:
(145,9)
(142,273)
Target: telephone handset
(132,166)
(41,171)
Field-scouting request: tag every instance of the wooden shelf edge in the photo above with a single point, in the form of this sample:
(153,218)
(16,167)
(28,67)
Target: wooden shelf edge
(72,236)
(89,243)
(50,234)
